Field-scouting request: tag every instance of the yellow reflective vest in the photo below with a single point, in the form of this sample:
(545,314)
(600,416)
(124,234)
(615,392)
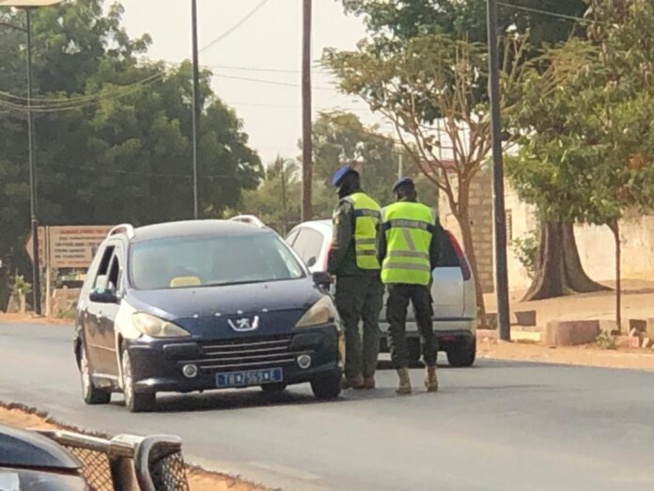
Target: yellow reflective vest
(367,215)
(409,228)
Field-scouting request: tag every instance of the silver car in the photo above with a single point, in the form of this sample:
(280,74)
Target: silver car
(453,293)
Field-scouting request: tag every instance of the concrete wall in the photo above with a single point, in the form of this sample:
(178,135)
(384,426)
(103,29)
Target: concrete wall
(596,244)
(481,220)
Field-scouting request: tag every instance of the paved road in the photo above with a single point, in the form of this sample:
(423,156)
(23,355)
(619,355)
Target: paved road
(500,426)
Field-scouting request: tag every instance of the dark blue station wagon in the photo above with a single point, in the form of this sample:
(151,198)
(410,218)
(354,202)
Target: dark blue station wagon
(200,305)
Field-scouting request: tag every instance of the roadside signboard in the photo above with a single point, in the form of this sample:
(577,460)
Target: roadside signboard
(29,246)
(68,246)
(75,246)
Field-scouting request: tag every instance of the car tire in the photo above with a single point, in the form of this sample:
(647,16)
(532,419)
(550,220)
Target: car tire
(326,387)
(134,402)
(463,354)
(273,388)
(92,395)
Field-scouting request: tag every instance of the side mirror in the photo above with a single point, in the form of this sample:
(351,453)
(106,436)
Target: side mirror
(100,295)
(312,261)
(323,279)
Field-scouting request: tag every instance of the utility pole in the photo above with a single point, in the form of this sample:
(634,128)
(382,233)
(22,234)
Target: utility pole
(197,109)
(498,177)
(284,210)
(36,268)
(307,150)
(28,5)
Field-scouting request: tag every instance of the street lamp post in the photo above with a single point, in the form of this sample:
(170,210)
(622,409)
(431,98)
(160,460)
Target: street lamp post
(28,6)
(196,103)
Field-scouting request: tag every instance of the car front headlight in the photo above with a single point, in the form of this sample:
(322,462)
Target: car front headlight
(322,312)
(157,328)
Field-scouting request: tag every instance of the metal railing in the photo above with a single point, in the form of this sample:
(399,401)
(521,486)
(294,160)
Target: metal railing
(127,462)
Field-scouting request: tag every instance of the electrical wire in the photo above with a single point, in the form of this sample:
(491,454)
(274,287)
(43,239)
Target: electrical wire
(92,98)
(543,12)
(271,82)
(229,31)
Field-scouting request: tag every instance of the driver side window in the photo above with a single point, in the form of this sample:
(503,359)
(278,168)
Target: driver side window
(114,273)
(102,279)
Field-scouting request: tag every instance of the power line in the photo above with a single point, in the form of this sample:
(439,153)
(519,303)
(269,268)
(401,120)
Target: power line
(131,172)
(271,82)
(543,12)
(247,17)
(91,98)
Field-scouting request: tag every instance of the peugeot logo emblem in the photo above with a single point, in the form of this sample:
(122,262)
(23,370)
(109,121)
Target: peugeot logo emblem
(244,324)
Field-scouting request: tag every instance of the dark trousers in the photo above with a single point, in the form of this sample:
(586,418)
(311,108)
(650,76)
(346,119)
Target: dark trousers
(397,304)
(360,298)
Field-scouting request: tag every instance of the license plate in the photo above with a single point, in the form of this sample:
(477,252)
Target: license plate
(252,377)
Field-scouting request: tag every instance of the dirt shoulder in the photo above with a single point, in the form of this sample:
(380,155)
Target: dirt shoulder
(199,479)
(32,319)
(588,355)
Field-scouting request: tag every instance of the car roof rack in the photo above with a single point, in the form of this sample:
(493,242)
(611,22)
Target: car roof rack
(123,228)
(250,219)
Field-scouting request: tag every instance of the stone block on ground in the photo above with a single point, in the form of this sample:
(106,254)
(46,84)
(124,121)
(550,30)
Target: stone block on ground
(572,333)
(526,317)
(640,325)
(627,341)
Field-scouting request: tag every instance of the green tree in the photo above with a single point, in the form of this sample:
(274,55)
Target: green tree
(277,201)
(392,25)
(428,90)
(341,137)
(113,129)
(588,155)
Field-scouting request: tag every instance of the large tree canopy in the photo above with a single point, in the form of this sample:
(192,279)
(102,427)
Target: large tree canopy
(393,23)
(113,130)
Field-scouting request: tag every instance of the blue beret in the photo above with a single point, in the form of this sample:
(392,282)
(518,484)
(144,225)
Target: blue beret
(402,181)
(340,175)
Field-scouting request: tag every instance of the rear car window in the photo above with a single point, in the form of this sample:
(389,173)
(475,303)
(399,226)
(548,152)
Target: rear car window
(448,257)
(211,261)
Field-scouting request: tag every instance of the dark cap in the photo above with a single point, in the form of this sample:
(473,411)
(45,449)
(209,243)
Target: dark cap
(402,182)
(338,178)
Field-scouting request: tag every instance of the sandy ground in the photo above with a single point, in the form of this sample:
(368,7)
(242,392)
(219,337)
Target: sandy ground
(590,355)
(637,303)
(199,480)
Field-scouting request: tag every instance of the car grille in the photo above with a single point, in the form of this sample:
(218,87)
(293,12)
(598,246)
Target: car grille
(246,354)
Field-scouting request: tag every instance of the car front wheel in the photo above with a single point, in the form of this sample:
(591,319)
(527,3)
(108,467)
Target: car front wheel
(91,394)
(463,353)
(326,387)
(134,401)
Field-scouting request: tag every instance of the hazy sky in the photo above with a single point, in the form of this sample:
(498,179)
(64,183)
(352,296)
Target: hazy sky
(267,47)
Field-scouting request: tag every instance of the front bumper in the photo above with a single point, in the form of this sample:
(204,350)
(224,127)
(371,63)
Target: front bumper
(157,364)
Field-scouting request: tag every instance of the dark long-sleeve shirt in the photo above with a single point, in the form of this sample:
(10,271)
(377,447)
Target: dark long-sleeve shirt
(434,245)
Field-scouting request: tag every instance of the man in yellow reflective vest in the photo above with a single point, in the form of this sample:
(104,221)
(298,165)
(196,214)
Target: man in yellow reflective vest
(359,291)
(408,252)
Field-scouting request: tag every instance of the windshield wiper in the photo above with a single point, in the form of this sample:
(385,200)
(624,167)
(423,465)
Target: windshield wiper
(232,283)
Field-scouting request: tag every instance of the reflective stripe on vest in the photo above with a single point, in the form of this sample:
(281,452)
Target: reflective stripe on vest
(367,215)
(409,228)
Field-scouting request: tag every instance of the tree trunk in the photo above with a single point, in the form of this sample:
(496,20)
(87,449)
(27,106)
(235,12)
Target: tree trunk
(559,271)
(468,247)
(575,276)
(549,281)
(615,228)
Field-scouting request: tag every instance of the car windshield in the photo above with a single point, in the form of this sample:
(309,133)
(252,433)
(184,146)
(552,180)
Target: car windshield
(211,261)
